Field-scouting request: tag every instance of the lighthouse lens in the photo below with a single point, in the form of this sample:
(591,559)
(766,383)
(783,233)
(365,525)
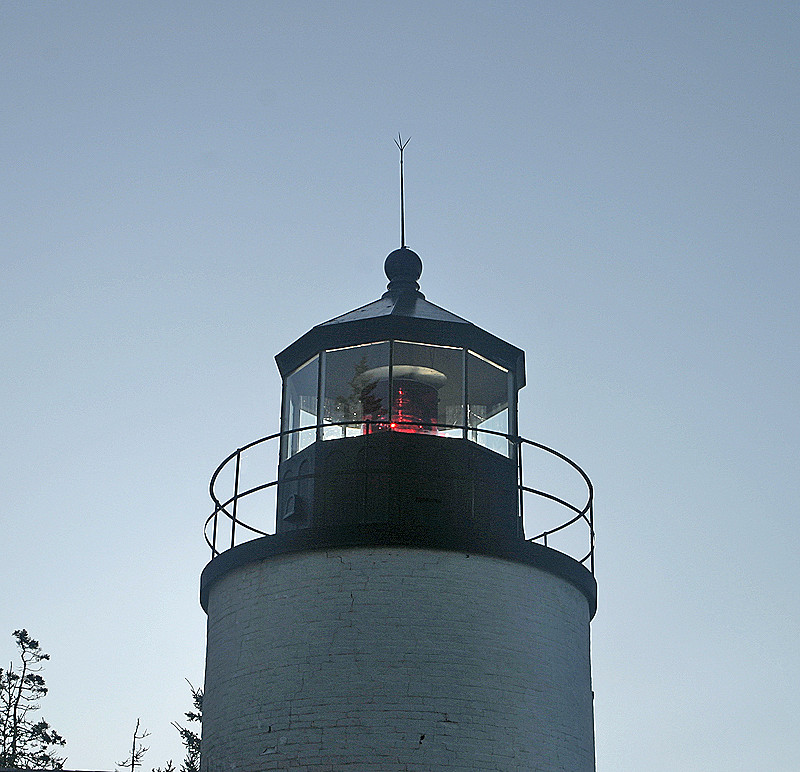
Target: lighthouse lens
(429,388)
(412,404)
(414,407)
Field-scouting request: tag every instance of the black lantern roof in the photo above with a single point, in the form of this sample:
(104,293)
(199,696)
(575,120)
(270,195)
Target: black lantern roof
(402,312)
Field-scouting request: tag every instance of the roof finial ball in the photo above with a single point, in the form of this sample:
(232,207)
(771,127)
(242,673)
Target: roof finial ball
(403,268)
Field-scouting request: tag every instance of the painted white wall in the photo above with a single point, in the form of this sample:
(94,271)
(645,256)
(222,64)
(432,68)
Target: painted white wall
(396,659)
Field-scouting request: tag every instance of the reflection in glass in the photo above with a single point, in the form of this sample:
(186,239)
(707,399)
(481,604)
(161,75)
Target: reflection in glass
(350,393)
(488,387)
(300,408)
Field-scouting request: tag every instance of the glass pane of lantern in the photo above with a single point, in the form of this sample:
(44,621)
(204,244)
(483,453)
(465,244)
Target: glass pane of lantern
(300,408)
(427,389)
(487,394)
(354,389)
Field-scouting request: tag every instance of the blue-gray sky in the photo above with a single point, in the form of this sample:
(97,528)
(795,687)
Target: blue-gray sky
(613,187)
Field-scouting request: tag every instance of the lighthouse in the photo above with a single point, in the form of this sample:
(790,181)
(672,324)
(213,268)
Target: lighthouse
(407,611)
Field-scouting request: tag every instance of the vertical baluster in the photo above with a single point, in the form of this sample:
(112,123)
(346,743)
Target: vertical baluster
(520,483)
(214,552)
(235,497)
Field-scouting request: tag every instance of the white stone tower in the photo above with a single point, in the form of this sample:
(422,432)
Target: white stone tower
(398,618)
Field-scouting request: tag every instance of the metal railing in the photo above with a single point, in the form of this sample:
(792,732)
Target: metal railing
(581,517)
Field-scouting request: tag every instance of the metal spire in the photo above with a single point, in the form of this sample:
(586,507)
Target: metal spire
(401,146)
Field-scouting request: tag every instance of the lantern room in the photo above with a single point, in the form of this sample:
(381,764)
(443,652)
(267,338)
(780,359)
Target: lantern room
(398,386)
(399,412)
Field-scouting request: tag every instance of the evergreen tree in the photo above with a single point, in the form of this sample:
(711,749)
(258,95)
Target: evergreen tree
(190,738)
(24,742)
(137,750)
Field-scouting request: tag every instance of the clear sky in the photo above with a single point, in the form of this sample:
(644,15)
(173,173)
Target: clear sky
(611,186)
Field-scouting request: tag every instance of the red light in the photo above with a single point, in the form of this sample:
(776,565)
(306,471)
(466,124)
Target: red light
(414,407)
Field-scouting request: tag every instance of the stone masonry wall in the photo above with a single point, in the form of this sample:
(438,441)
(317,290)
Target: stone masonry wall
(396,659)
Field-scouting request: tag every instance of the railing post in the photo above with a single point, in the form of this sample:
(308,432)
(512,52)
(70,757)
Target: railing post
(235,497)
(214,552)
(520,483)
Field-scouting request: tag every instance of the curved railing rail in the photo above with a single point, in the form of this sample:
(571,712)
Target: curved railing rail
(227,507)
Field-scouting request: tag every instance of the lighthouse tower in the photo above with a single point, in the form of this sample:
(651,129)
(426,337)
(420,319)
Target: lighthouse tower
(399,617)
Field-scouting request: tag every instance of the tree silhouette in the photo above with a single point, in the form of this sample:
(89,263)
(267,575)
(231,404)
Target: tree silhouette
(190,738)
(137,751)
(24,742)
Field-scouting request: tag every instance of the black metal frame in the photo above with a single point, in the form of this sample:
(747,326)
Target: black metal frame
(583,513)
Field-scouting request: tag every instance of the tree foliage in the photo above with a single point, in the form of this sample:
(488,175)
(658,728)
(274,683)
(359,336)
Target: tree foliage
(137,750)
(190,738)
(26,743)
